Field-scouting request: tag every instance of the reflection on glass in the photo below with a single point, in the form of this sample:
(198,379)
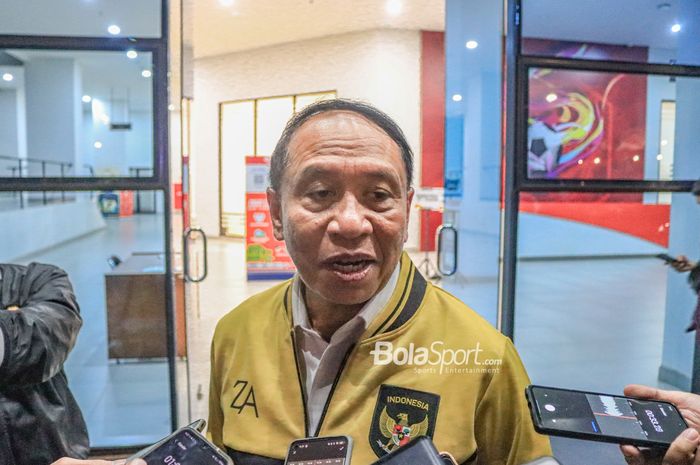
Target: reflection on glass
(665,32)
(75,113)
(123,18)
(597,125)
(591,291)
(113,254)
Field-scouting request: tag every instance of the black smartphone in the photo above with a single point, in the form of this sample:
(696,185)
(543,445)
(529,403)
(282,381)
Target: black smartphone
(331,450)
(666,257)
(419,451)
(604,417)
(185,446)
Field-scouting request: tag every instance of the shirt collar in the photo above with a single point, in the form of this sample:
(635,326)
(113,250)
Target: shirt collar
(369,311)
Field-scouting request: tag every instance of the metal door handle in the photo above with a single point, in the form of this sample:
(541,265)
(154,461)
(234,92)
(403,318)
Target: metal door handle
(447,233)
(186,255)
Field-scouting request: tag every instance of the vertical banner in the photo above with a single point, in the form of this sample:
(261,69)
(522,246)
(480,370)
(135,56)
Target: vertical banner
(266,257)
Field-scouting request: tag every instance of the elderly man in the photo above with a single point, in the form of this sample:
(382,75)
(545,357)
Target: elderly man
(358,343)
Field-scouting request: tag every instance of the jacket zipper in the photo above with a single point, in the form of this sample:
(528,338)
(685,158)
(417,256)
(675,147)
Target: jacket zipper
(330,394)
(301,385)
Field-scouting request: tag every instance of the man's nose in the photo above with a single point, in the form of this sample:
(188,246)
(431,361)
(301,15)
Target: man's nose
(350,219)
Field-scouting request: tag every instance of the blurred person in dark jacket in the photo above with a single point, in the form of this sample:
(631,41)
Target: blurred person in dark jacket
(39,323)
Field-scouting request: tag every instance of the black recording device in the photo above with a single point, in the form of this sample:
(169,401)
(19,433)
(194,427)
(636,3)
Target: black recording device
(332,450)
(604,417)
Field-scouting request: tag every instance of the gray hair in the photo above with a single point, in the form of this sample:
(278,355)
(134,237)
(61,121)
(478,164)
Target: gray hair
(280,156)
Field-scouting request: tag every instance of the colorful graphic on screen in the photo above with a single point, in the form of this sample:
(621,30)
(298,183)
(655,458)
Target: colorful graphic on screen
(584,124)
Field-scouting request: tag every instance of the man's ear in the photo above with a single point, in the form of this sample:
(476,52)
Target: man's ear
(275,203)
(409,202)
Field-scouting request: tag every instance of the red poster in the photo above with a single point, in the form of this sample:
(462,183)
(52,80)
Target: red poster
(266,257)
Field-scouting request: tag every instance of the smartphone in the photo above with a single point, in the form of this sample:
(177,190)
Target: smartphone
(419,451)
(666,257)
(330,450)
(185,446)
(604,417)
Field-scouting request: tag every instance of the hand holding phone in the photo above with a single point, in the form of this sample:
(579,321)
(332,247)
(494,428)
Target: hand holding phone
(604,417)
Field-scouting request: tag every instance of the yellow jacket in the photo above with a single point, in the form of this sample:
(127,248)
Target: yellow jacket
(427,364)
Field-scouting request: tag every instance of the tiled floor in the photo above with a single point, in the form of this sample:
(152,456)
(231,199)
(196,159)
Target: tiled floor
(566,315)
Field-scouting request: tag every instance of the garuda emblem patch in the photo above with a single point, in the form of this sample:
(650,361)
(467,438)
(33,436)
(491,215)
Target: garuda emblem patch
(401,415)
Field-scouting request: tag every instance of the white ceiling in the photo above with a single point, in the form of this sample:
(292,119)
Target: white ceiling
(105,74)
(248,24)
(623,22)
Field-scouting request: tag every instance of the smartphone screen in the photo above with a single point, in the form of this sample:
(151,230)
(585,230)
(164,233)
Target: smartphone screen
(318,451)
(606,415)
(185,448)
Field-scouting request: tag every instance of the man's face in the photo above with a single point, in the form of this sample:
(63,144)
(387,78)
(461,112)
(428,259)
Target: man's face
(343,207)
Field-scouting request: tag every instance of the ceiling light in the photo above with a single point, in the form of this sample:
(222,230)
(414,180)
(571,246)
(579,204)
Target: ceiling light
(596,160)
(7,77)
(132,54)
(97,145)
(146,73)
(580,162)
(86,98)
(676,28)
(551,97)
(171,107)
(394,7)
(659,157)
(457,98)
(114,29)
(635,158)
(664,142)
(471,44)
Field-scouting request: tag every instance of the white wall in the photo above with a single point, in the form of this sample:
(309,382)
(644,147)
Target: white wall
(49,225)
(51,96)
(381,67)
(120,149)
(8,128)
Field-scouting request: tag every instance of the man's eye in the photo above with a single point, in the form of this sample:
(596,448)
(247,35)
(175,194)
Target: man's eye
(380,196)
(321,194)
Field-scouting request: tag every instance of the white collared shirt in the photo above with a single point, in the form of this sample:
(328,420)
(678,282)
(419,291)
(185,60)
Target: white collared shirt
(321,360)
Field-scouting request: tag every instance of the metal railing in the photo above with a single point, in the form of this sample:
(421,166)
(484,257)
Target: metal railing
(35,167)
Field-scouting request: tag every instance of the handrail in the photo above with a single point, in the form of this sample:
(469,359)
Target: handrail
(36,160)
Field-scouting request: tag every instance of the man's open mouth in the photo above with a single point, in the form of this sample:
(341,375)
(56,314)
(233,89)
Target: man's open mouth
(350,269)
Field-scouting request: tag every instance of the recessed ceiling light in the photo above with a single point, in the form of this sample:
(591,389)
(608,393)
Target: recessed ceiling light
(596,160)
(659,157)
(471,44)
(114,29)
(132,54)
(394,7)
(635,158)
(551,97)
(97,145)
(457,97)
(146,73)
(86,98)
(171,107)
(7,77)
(580,162)
(676,28)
